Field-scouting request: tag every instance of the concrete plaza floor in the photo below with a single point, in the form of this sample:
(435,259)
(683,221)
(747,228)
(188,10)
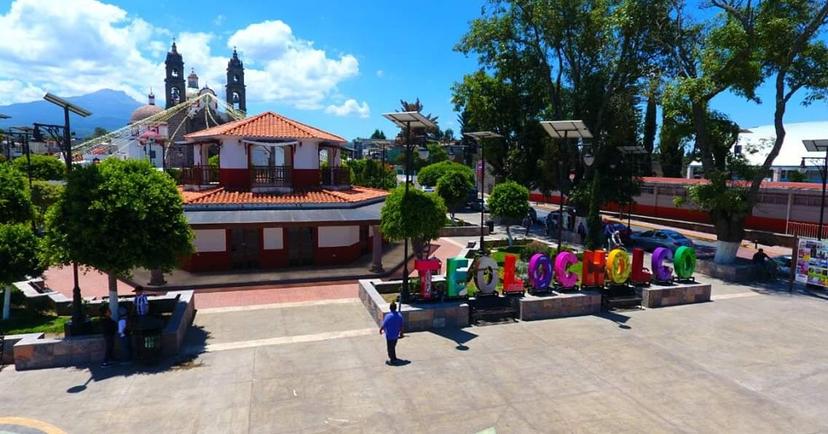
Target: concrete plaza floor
(753,360)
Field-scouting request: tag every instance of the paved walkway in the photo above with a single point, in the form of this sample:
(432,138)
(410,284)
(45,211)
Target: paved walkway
(754,360)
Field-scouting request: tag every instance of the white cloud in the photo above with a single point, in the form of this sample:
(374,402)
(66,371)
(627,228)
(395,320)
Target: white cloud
(288,69)
(350,107)
(380,73)
(71,47)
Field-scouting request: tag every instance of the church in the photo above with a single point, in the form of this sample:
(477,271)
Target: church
(199,116)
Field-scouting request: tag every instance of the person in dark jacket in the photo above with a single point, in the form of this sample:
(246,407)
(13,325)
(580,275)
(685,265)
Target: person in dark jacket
(109,328)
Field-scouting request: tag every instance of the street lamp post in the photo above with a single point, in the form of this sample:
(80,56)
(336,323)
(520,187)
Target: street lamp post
(77,301)
(406,121)
(568,129)
(479,137)
(818,146)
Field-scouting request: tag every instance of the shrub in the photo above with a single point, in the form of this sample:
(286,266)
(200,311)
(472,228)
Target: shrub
(432,173)
(43,167)
(535,247)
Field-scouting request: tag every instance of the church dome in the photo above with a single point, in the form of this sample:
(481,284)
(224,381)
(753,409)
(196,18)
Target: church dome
(144,112)
(147,110)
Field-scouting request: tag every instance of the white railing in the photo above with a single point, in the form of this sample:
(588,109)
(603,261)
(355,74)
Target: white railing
(802,229)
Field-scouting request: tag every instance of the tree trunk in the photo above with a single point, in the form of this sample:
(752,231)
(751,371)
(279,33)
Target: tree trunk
(730,230)
(113,295)
(7,302)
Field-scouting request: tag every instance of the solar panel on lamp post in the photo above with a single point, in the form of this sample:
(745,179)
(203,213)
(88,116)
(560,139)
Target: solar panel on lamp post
(406,121)
(77,301)
(568,129)
(479,137)
(819,146)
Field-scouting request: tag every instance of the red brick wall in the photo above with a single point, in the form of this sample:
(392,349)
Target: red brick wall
(336,255)
(207,261)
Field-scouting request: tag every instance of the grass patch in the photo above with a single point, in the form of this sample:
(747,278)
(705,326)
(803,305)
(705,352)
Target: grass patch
(29,321)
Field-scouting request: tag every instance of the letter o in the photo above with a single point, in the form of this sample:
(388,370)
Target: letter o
(618,266)
(486,286)
(540,271)
(685,262)
(562,262)
(662,272)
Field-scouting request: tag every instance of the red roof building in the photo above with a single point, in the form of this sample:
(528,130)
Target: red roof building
(279,197)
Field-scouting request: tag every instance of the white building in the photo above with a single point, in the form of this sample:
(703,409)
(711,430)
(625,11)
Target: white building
(790,156)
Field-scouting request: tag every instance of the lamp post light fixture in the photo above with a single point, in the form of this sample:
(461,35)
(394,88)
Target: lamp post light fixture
(819,146)
(77,301)
(479,137)
(568,129)
(406,121)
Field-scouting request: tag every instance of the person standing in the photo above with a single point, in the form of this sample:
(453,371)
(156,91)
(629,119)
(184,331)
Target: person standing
(123,337)
(392,325)
(109,328)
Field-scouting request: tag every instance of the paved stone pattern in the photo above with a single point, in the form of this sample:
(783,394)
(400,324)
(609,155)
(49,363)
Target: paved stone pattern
(559,305)
(740,365)
(661,296)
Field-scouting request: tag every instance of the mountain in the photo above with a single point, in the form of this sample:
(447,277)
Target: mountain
(110,109)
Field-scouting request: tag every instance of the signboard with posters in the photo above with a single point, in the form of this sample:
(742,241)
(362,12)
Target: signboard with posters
(812,262)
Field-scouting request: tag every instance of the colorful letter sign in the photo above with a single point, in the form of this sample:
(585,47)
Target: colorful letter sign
(662,272)
(640,276)
(685,262)
(618,266)
(593,268)
(486,276)
(564,277)
(540,272)
(427,268)
(510,282)
(457,274)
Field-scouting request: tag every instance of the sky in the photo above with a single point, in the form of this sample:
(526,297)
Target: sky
(337,65)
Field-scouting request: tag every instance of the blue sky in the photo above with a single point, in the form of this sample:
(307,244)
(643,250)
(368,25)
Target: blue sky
(358,58)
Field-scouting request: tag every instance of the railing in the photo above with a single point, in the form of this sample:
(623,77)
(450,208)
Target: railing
(271,176)
(809,230)
(336,176)
(199,175)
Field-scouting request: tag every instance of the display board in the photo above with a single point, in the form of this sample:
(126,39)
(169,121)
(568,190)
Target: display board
(812,262)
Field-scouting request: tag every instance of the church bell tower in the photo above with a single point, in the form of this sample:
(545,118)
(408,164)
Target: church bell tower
(235,83)
(175,77)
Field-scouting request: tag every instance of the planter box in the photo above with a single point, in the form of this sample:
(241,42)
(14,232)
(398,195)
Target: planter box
(559,305)
(661,296)
(462,231)
(737,272)
(417,317)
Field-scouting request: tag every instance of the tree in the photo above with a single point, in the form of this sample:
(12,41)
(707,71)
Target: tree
(454,188)
(416,215)
(750,42)
(378,135)
(797,177)
(98,132)
(432,173)
(43,167)
(117,216)
(19,256)
(436,153)
(44,195)
(372,173)
(509,201)
(15,200)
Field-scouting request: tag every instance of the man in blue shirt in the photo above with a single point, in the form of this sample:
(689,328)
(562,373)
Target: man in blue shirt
(392,325)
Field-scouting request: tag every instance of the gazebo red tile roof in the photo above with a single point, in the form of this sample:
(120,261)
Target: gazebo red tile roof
(267,125)
(220,196)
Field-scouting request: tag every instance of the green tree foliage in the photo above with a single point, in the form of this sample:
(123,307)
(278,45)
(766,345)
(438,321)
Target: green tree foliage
(436,153)
(117,216)
(432,173)
(509,201)
(18,253)
(43,167)
(559,59)
(378,135)
(797,177)
(15,200)
(213,161)
(372,173)
(454,188)
(98,132)
(44,195)
(416,215)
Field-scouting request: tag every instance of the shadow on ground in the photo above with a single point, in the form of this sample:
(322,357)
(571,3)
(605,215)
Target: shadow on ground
(458,336)
(194,345)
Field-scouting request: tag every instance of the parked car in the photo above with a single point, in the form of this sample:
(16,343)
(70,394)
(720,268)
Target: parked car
(783,265)
(670,239)
(428,188)
(533,215)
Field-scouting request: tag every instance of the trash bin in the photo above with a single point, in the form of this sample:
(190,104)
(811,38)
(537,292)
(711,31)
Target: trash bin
(146,345)
(490,224)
